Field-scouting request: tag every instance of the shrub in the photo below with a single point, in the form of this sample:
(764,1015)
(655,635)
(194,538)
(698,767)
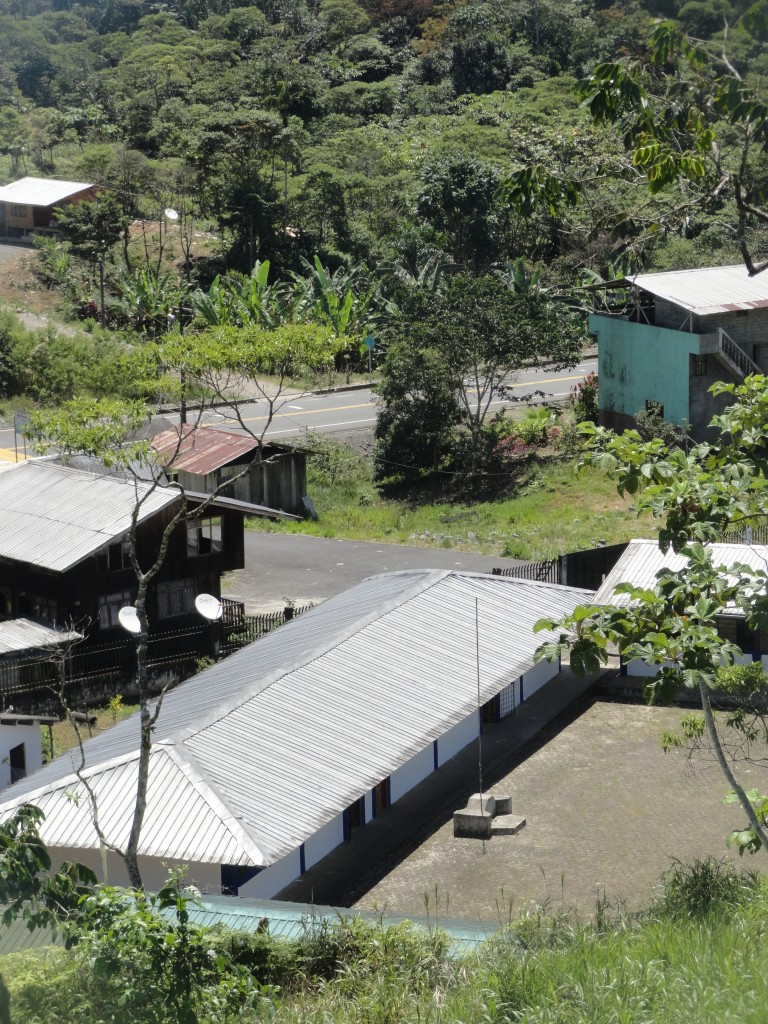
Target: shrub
(650,424)
(535,428)
(703,886)
(584,399)
(745,681)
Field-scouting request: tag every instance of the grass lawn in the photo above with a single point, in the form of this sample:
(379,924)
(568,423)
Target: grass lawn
(555,510)
(64,736)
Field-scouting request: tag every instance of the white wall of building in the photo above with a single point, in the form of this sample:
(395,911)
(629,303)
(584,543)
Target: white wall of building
(154,871)
(13,735)
(537,676)
(640,670)
(411,773)
(325,840)
(457,738)
(271,880)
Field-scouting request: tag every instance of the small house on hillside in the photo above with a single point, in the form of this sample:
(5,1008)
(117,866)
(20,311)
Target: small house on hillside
(265,762)
(27,206)
(204,458)
(640,565)
(665,338)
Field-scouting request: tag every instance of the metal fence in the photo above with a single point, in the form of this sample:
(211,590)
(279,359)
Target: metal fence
(747,535)
(542,572)
(94,672)
(584,569)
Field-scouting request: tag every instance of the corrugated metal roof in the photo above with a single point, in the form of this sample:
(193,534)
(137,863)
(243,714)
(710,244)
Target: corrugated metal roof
(40,191)
(289,731)
(246,507)
(643,560)
(709,290)
(202,450)
(25,635)
(283,920)
(55,516)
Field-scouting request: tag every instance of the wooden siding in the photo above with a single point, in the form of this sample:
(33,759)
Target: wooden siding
(280,483)
(17,220)
(76,596)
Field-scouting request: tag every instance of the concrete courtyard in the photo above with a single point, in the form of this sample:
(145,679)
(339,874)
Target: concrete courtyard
(607,813)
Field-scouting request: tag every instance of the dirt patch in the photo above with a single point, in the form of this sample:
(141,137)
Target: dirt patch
(607,813)
(19,288)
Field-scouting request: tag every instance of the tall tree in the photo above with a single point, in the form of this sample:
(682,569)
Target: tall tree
(689,118)
(228,363)
(477,334)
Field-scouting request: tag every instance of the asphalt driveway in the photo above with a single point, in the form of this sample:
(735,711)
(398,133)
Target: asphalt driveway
(281,566)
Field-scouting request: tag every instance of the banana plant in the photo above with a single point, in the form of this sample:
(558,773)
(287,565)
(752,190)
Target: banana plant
(342,300)
(151,300)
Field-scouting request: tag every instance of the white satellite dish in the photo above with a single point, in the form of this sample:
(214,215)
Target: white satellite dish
(170,213)
(129,619)
(209,607)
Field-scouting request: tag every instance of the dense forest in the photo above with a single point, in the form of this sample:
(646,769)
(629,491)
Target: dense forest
(444,176)
(379,131)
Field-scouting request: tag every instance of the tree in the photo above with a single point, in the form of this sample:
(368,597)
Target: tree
(28,889)
(419,411)
(228,363)
(92,227)
(673,625)
(458,198)
(689,118)
(476,335)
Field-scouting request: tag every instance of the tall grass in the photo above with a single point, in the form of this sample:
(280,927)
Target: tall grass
(696,954)
(555,510)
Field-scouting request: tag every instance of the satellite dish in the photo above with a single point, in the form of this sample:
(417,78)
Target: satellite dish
(170,213)
(209,607)
(129,619)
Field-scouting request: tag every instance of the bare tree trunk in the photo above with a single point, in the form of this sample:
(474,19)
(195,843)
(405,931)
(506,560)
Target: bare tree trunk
(130,854)
(722,760)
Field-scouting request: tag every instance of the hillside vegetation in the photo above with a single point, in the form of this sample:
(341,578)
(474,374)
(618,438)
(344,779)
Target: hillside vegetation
(695,955)
(376,131)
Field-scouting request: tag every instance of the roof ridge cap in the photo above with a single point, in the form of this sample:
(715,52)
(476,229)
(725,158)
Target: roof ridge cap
(189,766)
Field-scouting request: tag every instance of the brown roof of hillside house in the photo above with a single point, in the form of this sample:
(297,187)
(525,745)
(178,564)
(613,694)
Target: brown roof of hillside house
(202,450)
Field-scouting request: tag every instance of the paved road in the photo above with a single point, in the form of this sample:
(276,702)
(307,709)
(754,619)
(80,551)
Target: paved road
(351,410)
(280,566)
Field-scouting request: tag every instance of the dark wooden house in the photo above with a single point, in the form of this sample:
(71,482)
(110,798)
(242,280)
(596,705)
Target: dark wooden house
(203,459)
(64,550)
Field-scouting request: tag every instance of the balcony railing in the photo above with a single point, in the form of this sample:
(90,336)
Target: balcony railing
(735,356)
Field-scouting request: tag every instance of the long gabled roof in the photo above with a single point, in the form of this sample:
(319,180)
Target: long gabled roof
(41,191)
(643,560)
(255,754)
(54,516)
(708,290)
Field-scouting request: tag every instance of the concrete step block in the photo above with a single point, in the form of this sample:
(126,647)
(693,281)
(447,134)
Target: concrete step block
(507,824)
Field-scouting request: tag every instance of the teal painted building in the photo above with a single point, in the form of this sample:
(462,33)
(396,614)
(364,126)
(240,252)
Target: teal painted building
(638,364)
(664,339)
